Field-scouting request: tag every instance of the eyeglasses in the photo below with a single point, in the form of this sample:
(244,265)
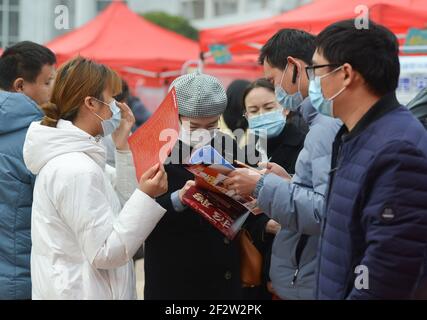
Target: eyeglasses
(311,70)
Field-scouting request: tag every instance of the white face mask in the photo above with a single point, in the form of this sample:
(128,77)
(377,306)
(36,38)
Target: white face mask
(196,138)
(112,124)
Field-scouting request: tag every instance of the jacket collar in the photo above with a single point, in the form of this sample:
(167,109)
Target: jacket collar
(44,143)
(17,111)
(383,106)
(308,112)
(290,136)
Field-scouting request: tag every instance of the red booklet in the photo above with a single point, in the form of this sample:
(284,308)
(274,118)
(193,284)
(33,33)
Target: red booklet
(225,215)
(154,140)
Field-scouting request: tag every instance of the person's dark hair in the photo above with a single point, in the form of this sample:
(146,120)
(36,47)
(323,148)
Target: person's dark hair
(23,60)
(373,52)
(233,114)
(259,83)
(124,95)
(287,42)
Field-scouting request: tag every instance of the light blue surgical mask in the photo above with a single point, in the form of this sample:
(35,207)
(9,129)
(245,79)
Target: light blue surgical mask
(318,100)
(289,101)
(272,122)
(112,124)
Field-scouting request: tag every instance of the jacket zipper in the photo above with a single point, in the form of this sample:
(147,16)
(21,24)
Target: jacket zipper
(295,277)
(331,181)
(298,253)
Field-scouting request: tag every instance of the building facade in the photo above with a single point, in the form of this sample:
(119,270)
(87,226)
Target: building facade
(43,20)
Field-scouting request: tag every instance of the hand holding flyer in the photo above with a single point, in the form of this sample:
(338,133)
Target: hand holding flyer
(223,208)
(211,169)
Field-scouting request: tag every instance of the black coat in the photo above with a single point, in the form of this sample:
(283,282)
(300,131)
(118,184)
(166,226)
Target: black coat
(285,148)
(185,256)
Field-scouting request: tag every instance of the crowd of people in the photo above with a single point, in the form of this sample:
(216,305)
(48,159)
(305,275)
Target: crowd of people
(338,167)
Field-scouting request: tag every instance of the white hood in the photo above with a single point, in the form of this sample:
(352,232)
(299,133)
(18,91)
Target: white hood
(43,143)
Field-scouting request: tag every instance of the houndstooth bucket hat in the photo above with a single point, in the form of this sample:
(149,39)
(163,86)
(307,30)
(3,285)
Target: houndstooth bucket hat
(199,95)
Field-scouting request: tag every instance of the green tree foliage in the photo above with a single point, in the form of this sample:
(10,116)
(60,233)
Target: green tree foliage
(174,23)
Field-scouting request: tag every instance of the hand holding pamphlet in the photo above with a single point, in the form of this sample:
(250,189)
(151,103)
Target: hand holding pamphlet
(226,210)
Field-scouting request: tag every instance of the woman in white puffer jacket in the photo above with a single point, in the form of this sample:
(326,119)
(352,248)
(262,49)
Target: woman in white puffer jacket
(88,219)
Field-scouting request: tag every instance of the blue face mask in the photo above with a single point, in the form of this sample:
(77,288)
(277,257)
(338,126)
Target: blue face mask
(273,122)
(112,124)
(318,100)
(289,101)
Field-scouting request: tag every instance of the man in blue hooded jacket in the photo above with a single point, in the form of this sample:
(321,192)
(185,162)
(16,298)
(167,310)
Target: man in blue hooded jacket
(26,78)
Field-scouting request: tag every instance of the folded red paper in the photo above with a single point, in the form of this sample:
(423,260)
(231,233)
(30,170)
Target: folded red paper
(222,212)
(154,140)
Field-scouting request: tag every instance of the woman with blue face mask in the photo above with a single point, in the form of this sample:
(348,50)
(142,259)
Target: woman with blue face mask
(276,140)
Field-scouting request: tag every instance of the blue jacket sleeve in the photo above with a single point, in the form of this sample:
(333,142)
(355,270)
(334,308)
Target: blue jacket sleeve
(298,205)
(394,219)
(176,202)
(295,207)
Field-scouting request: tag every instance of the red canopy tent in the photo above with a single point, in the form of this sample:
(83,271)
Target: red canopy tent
(131,45)
(241,66)
(398,15)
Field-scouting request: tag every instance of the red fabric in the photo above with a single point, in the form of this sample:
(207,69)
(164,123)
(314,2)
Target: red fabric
(398,15)
(120,38)
(242,66)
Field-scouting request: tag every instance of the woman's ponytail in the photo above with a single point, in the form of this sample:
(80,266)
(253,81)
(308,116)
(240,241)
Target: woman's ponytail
(52,115)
